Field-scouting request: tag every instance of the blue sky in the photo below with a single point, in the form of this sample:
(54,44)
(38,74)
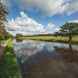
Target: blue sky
(44,12)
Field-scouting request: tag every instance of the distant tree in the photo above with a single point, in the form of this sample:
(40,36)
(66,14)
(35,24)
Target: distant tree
(69,29)
(18,35)
(3,13)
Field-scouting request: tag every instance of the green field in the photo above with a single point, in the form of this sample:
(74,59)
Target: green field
(50,38)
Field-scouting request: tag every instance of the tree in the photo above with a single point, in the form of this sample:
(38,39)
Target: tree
(69,29)
(3,13)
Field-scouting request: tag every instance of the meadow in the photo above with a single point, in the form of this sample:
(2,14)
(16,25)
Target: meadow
(50,38)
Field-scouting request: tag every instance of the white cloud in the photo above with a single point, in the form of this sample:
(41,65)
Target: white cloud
(28,26)
(51,7)
(48,7)
(23,14)
(72,7)
(73,21)
(51,28)
(24,25)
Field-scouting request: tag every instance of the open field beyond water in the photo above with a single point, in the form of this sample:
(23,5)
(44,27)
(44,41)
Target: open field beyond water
(51,38)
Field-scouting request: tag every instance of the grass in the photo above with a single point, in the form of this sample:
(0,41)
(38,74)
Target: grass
(51,38)
(8,66)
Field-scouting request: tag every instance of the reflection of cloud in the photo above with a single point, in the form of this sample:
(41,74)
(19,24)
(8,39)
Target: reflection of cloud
(26,49)
(30,46)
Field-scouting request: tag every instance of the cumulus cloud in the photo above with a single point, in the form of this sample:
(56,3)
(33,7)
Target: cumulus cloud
(51,28)
(28,26)
(24,25)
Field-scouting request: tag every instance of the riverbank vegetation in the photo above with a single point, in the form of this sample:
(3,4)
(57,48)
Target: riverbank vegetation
(9,67)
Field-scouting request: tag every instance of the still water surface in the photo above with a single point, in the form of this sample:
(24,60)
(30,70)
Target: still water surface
(46,59)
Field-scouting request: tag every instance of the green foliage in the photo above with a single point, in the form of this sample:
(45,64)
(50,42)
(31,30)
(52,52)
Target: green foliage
(9,67)
(3,13)
(8,36)
(1,37)
(19,35)
(70,28)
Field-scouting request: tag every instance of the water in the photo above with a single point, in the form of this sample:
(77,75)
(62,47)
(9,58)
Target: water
(46,59)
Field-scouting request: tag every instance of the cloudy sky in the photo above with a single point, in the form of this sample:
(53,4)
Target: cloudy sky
(40,16)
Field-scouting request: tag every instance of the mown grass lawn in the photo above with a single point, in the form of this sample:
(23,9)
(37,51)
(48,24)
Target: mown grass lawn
(8,65)
(64,39)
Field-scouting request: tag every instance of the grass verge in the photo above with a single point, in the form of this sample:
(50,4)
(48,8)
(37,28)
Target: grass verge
(8,66)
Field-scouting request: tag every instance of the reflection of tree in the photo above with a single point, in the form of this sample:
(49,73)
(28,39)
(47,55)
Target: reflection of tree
(68,55)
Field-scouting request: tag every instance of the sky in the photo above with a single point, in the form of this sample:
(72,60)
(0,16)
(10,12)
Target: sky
(40,16)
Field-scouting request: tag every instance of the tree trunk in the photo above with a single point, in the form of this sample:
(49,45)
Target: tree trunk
(70,46)
(70,41)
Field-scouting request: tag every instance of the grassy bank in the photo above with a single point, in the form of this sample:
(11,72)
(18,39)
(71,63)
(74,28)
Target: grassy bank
(8,66)
(50,38)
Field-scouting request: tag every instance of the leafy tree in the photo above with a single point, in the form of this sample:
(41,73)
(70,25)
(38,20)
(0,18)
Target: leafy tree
(69,29)
(3,13)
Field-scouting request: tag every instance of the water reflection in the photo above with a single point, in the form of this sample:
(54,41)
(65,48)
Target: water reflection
(68,54)
(47,60)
